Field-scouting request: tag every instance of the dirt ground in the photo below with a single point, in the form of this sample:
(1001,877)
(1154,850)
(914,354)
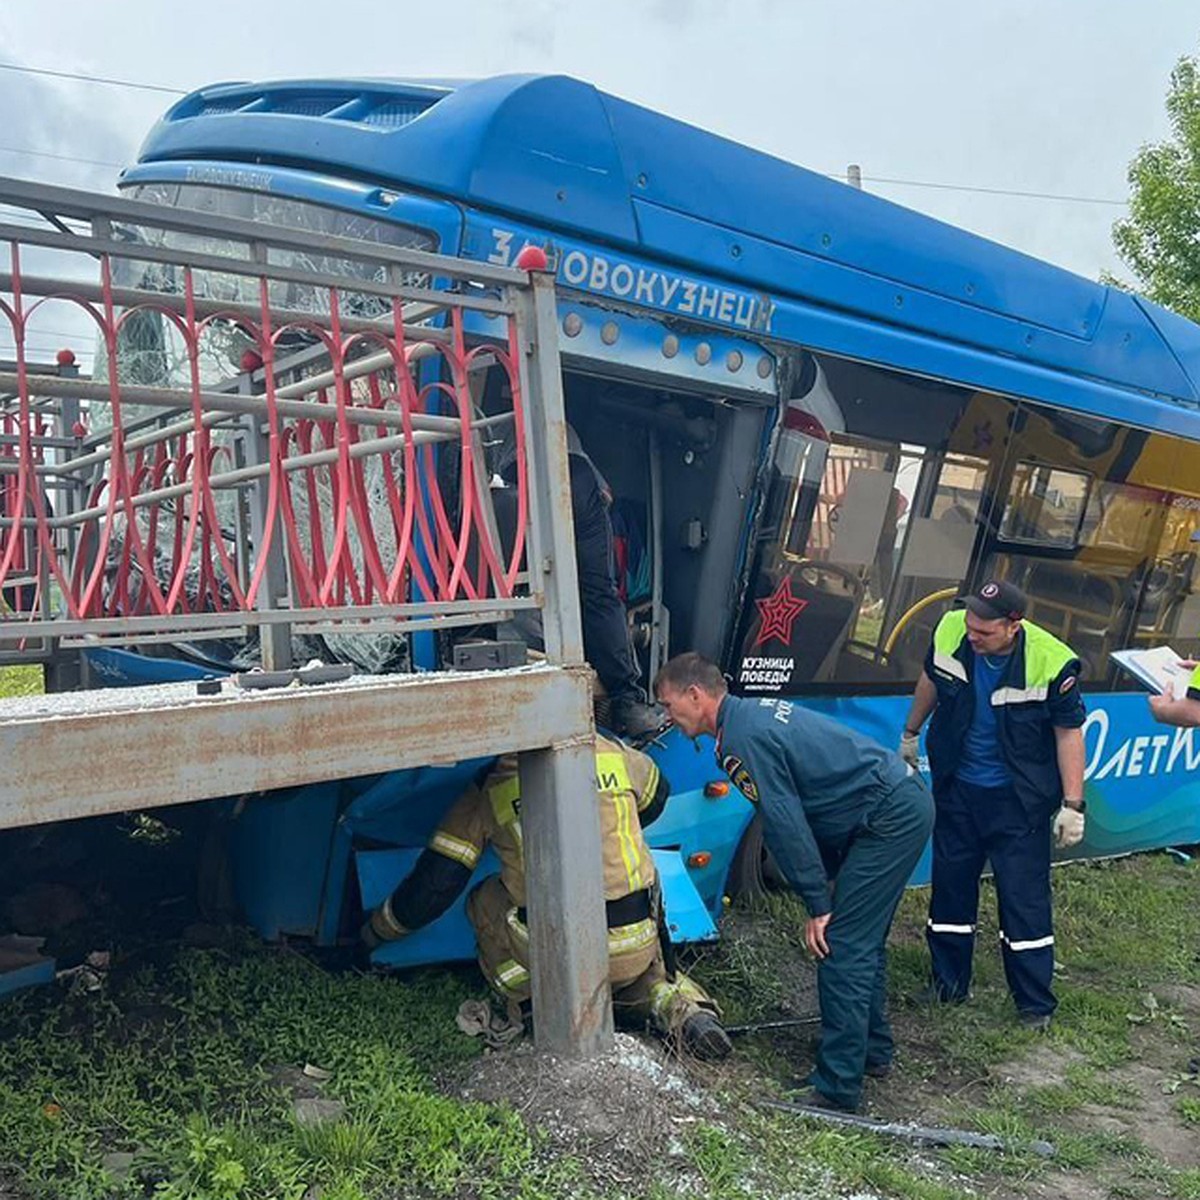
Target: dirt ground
(622,1114)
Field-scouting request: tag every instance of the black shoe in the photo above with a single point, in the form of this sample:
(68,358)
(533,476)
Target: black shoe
(1036,1022)
(934,993)
(632,718)
(812,1098)
(704,1036)
(878,1070)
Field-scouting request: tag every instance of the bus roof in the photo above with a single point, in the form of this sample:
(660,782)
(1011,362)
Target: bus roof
(561,154)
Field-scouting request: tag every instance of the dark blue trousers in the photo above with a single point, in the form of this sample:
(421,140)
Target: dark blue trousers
(852,981)
(975,824)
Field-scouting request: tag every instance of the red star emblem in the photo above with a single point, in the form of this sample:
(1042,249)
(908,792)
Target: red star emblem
(779,612)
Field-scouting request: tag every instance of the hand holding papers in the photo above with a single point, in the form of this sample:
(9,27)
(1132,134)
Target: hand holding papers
(1160,670)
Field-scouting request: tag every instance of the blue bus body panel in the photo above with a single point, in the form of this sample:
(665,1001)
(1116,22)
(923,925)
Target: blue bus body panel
(560,154)
(124,668)
(280,852)
(694,823)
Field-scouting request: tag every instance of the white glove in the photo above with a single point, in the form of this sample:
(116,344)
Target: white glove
(910,748)
(1068,827)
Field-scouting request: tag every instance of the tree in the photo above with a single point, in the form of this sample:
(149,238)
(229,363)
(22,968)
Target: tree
(1160,239)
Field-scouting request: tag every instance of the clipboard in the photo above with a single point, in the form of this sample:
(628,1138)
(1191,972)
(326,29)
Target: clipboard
(1154,669)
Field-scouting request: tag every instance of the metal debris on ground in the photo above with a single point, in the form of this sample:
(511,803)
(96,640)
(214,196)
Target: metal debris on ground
(89,975)
(928,1135)
(768,1026)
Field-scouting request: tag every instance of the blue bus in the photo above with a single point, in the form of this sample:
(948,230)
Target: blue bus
(823,416)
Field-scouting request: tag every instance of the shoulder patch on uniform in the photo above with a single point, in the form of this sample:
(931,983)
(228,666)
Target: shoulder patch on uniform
(736,770)
(1067,684)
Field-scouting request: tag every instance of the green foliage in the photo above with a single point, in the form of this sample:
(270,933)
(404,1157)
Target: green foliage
(1160,239)
(20,681)
(189,1063)
(719,1159)
(193,1095)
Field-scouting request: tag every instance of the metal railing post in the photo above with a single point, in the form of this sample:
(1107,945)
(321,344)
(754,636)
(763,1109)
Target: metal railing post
(275,639)
(553,537)
(564,885)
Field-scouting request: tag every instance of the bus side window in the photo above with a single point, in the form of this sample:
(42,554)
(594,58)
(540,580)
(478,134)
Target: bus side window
(1098,530)
(870,525)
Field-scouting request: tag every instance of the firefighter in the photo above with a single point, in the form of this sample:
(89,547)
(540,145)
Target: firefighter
(1006,758)
(835,805)
(632,793)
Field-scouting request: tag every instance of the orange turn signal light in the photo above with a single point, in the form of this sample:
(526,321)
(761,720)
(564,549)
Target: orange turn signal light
(716,789)
(700,859)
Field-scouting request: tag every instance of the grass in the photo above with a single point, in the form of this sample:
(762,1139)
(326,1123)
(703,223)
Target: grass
(190,1089)
(173,1081)
(20,681)
(1127,936)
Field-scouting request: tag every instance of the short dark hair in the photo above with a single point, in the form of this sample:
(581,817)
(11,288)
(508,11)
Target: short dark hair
(691,670)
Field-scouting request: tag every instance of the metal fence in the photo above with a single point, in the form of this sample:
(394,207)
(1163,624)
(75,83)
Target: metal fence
(281,428)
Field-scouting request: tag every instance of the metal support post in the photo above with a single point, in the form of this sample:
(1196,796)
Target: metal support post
(568,939)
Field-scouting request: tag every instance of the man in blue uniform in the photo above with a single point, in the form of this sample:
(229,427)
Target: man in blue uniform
(835,805)
(1006,757)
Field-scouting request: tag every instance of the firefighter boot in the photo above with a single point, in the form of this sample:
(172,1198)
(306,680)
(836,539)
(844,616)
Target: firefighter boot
(705,1037)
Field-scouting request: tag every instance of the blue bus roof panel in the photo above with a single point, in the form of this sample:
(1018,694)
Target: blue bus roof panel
(564,156)
(709,177)
(537,146)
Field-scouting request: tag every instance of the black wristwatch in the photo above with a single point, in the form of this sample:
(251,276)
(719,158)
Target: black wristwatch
(1081,807)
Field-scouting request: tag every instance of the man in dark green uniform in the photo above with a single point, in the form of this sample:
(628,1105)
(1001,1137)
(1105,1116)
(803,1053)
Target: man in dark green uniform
(835,805)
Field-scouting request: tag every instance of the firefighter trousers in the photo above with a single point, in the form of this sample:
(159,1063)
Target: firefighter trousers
(975,824)
(852,980)
(641,990)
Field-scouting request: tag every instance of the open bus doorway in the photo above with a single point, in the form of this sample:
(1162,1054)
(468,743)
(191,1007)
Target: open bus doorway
(682,471)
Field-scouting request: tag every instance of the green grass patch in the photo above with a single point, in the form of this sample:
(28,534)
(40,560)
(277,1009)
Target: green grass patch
(185,1062)
(20,681)
(176,1063)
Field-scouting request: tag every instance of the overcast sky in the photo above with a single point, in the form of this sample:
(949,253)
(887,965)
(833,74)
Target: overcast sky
(1030,95)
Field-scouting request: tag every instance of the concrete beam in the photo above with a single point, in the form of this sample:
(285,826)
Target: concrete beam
(81,754)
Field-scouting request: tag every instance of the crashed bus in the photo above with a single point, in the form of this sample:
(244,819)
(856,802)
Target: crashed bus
(823,416)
